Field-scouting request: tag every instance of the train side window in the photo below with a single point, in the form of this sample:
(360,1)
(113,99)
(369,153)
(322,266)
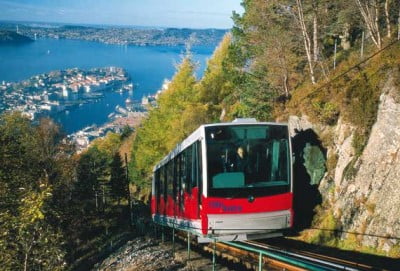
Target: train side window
(170,177)
(183,171)
(157,187)
(165,183)
(180,177)
(161,181)
(196,165)
(194,172)
(189,167)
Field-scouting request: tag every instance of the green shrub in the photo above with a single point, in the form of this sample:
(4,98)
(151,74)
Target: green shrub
(359,142)
(350,170)
(327,112)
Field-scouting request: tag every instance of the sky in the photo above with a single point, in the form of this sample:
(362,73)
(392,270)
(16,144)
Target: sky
(163,13)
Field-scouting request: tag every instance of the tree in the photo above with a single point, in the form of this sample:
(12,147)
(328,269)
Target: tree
(126,132)
(30,239)
(310,45)
(274,45)
(215,85)
(37,241)
(108,145)
(118,178)
(252,94)
(378,16)
(91,169)
(370,13)
(167,123)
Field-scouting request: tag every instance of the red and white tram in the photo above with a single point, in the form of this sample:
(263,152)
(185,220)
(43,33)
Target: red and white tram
(227,181)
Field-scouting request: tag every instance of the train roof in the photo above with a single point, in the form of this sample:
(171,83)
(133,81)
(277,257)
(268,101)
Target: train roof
(198,134)
(249,121)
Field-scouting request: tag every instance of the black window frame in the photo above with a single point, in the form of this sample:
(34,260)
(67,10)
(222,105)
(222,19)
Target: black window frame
(244,192)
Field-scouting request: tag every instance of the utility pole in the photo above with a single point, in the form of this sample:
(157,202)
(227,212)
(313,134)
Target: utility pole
(334,58)
(362,44)
(104,199)
(97,205)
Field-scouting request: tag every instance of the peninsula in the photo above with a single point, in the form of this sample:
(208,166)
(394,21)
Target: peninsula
(10,37)
(50,93)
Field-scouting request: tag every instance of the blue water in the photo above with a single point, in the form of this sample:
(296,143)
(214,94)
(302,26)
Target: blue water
(148,67)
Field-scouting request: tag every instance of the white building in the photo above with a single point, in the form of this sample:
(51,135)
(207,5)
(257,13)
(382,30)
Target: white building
(65,91)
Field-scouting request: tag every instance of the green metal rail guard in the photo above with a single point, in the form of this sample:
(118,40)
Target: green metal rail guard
(278,257)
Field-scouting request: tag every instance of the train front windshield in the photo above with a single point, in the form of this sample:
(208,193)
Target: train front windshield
(246,160)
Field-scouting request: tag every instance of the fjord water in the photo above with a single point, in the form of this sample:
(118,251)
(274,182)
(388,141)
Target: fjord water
(148,66)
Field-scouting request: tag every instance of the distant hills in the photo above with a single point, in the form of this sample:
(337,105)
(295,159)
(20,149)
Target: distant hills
(122,35)
(13,37)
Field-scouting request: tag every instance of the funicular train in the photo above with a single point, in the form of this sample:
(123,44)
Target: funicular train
(227,181)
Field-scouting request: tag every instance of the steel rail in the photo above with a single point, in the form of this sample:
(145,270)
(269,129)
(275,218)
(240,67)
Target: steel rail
(290,259)
(332,259)
(295,255)
(249,259)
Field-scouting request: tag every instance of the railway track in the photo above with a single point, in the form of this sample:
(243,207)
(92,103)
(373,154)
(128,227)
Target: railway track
(260,256)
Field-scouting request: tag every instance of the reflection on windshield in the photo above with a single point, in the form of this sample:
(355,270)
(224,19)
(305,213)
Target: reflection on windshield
(247,156)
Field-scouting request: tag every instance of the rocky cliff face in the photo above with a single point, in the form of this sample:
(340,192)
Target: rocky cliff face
(363,192)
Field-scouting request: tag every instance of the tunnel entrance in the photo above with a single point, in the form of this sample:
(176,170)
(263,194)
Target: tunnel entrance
(308,170)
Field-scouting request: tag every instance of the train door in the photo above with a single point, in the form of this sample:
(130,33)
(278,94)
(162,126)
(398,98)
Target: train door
(197,177)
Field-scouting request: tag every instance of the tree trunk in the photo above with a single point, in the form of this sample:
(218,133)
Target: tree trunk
(315,36)
(388,27)
(306,39)
(286,84)
(223,114)
(26,262)
(398,26)
(371,18)
(378,33)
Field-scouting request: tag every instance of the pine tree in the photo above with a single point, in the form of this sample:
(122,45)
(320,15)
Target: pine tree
(118,180)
